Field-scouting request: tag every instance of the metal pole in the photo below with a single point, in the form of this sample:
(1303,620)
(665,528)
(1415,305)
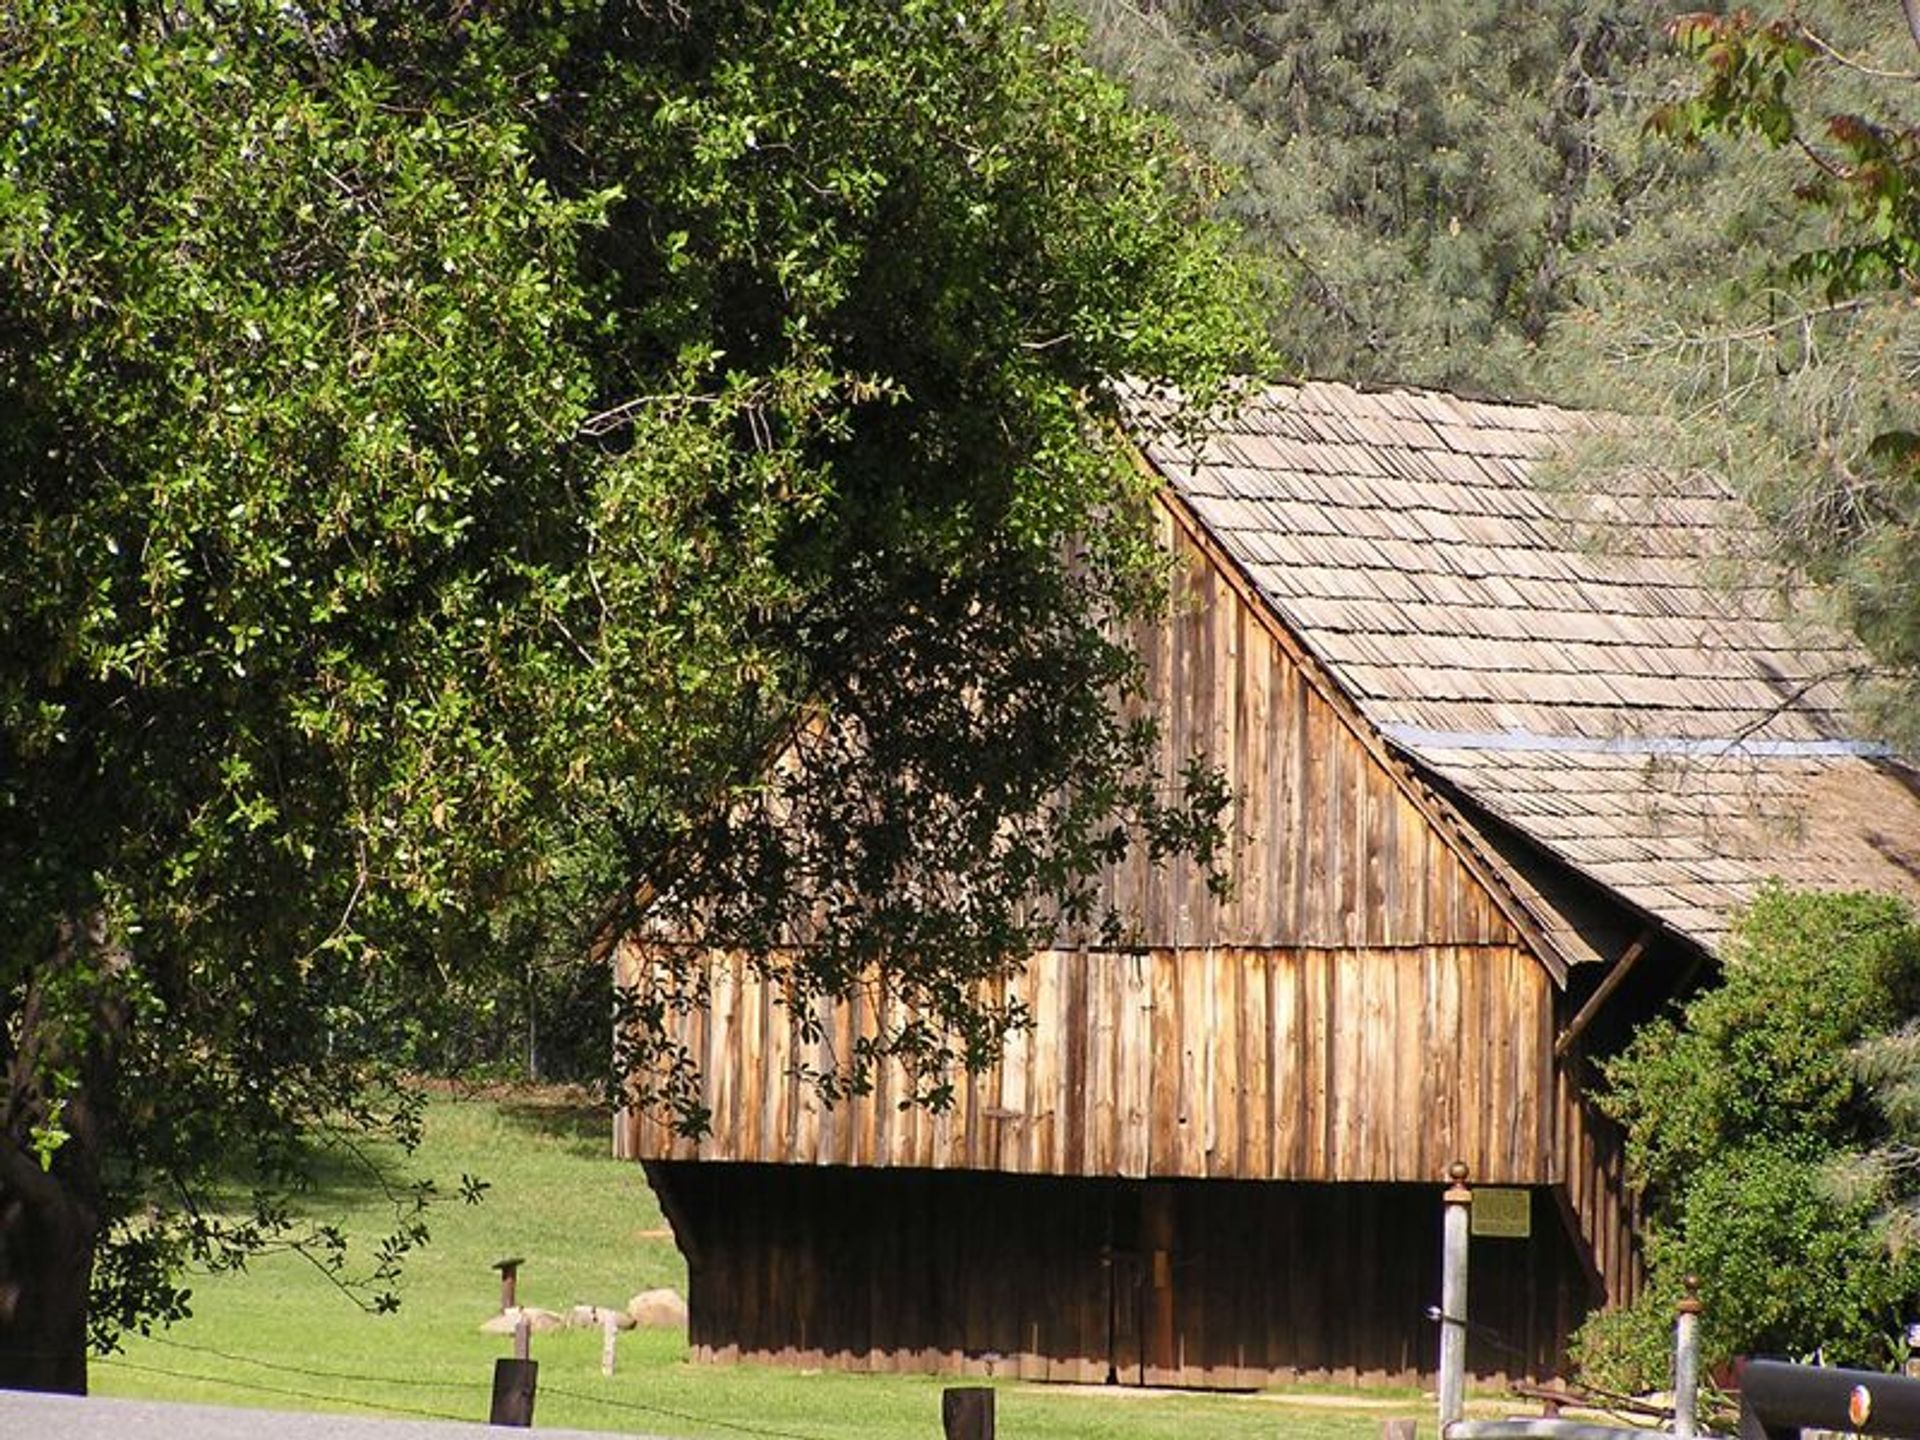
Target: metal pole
(1458,1202)
(1778,1401)
(1686,1362)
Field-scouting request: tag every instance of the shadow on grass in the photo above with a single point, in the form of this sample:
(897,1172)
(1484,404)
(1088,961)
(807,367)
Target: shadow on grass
(580,1125)
(331,1175)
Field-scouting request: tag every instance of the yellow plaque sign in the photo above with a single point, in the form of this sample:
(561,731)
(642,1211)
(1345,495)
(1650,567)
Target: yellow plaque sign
(1504,1213)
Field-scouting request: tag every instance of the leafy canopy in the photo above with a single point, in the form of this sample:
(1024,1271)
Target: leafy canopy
(446,451)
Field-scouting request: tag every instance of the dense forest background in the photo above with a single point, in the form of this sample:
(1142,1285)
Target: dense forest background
(1465,193)
(1713,220)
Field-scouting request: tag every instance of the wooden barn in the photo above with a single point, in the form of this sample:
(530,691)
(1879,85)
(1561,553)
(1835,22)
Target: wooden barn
(1505,758)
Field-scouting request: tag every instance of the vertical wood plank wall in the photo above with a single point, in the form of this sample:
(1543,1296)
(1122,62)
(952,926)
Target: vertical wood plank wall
(1217,1284)
(1222,1063)
(1327,849)
(1600,1206)
(1359,1009)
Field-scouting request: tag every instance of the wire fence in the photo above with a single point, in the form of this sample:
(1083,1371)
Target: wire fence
(384,1407)
(282,1367)
(479,1390)
(705,1420)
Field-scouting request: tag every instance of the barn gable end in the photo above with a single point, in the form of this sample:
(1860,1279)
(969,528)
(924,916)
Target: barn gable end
(1359,1007)
(1335,843)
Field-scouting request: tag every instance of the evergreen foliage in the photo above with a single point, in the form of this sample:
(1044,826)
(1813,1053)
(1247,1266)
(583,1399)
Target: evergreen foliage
(1709,221)
(1779,337)
(1426,181)
(446,451)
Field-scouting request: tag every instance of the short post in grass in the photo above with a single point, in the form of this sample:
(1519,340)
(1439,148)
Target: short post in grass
(1457,1203)
(966,1412)
(509,1269)
(609,1334)
(514,1381)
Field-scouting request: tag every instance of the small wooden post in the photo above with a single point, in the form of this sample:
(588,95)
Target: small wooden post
(515,1379)
(608,1333)
(509,1275)
(1397,1429)
(966,1412)
(1457,1204)
(513,1386)
(1686,1362)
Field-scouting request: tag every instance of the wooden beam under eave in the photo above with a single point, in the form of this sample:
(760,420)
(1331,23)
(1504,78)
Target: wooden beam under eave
(1628,959)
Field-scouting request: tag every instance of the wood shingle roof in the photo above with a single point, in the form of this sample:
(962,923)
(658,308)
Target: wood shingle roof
(1596,670)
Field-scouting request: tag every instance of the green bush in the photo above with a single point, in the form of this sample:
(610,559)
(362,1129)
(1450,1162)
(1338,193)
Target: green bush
(1737,1112)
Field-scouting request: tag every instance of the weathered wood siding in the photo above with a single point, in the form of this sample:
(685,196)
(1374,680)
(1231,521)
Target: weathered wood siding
(1366,1006)
(1219,1284)
(1298,1064)
(1601,1207)
(1330,846)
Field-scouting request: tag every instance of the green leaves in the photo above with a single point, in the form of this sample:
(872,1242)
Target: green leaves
(442,458)
(47,1136)
(1735,1113)
(1746,67)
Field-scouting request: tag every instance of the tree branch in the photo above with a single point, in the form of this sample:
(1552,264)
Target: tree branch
(21,1173)
(1912,10)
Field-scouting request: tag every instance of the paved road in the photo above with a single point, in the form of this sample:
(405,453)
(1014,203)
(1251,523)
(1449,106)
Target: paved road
(67,1417)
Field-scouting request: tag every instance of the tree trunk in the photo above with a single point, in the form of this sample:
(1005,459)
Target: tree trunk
(70,1023)
(46,1265)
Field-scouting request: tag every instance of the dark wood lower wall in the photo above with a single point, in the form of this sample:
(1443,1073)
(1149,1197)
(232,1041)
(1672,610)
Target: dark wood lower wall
(1223,1284)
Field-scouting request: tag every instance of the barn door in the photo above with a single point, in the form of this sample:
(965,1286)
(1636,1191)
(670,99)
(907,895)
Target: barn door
(1124,1274)
(1159,1240)
(1143,1345)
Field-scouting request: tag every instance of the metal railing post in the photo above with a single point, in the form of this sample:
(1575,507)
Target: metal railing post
(1457,1204)
(1686,1362)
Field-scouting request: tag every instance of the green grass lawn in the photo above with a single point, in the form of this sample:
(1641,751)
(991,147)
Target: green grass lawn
(282,1335)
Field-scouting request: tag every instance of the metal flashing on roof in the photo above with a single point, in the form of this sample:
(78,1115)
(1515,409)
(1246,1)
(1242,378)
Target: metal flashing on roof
(1416,737)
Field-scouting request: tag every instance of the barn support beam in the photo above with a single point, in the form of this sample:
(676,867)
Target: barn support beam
(1614,978)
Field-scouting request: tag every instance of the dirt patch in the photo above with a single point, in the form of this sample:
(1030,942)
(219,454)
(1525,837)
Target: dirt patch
(521,1092)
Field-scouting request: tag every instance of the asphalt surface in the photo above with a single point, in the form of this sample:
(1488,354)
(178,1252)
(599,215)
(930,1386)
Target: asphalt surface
(25,1416)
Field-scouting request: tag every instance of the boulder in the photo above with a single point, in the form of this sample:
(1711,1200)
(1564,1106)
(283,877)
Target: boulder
(661,1309)
(507,1321)
(595,1317)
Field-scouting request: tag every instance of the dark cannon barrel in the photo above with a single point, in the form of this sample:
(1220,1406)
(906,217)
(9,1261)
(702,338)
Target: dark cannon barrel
(1778,1399)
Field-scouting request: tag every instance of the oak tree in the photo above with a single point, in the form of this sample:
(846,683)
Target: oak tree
(446,450)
